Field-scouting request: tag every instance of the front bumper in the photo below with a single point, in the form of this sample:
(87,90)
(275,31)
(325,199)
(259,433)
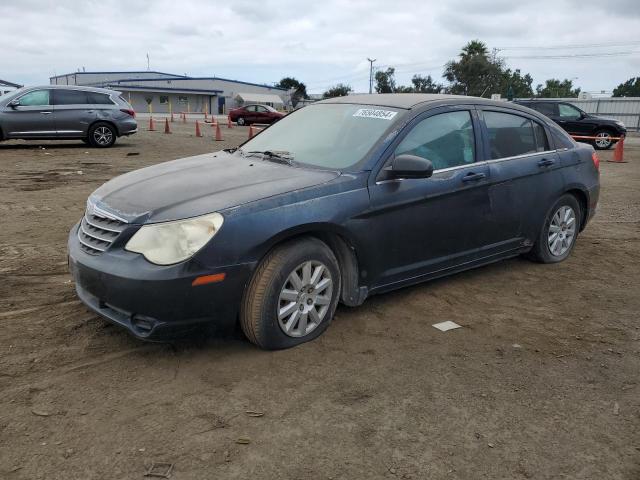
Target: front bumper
(152,302)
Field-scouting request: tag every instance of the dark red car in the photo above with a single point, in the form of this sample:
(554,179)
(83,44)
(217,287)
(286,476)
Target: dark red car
(255,114)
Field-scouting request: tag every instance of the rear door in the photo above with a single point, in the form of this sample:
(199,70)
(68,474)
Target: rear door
(525,175)
(32,118)
(73,113)
(425,226)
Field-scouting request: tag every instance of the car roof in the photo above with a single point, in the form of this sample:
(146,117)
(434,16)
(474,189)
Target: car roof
(409,101)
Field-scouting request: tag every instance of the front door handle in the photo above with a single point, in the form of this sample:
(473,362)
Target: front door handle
(546,162)
(473,177)
(46,113)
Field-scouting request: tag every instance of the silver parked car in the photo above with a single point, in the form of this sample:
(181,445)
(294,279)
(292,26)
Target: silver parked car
(54,112)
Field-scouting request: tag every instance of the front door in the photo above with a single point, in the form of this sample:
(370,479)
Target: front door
(426,226)
(570,118)
(32,117)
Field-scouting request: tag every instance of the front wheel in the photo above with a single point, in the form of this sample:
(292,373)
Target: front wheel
(603,140)
(240,121)
(102,135)
(559,232)
(292,296)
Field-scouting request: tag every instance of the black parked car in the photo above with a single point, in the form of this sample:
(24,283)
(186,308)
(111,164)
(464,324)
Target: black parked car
(579,123)
(340,200)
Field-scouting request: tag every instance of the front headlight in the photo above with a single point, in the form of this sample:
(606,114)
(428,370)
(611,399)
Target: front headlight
(172,242)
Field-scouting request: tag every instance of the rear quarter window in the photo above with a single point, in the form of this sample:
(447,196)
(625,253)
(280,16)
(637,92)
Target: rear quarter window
(95,98)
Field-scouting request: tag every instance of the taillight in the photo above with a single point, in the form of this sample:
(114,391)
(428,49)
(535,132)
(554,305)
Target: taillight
(596,160)
(129,112)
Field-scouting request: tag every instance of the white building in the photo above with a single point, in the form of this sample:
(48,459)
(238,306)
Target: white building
(159,92)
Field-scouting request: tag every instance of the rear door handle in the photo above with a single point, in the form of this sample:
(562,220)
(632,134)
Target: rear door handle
(473,177)
(46,113)
(546,162)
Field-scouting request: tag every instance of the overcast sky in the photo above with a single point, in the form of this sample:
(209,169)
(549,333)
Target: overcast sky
(319,42)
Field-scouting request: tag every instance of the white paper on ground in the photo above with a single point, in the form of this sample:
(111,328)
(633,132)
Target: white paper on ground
(445,326)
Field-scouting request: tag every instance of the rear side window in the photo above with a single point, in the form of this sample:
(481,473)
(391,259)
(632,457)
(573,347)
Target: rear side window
(512,135)
(544,108)
(35,99)
(69,97)
(95,98)
(445,139)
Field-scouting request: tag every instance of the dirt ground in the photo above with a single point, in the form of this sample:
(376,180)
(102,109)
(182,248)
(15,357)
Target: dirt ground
(542,382)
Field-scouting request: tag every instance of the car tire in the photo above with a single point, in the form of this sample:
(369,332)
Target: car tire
(240,121)
(289,300)
(603,140)
(559,232)
(102,135)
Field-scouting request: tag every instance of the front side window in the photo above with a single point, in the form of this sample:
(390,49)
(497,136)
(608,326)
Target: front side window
(69,97)
(328,135)
(568,111)
(260,109)
(513,135)
(36,98)
(445,139)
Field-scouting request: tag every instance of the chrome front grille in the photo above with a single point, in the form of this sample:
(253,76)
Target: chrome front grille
(98,231)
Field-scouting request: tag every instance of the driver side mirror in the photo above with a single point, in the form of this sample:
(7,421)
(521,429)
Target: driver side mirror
(410,166)
(14,103)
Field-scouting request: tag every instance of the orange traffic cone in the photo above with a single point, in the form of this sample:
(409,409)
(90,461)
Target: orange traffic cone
(218,133)
(184,118)
(167,128)
(250,131)
(618,153)
(152,125)
(198,132)
(229,125)
(172,119)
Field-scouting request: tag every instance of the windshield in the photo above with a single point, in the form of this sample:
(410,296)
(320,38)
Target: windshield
(334,136)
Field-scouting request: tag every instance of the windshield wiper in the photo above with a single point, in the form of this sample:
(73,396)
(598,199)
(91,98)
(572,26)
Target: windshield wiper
(280,156)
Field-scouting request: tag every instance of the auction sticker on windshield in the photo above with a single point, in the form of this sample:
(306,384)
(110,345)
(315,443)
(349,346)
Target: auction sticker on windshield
(375,113)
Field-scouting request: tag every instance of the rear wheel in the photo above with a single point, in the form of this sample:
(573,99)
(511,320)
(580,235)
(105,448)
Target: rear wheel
(603,140)
(102,135)
(559,232)
(240,121)
(292,296)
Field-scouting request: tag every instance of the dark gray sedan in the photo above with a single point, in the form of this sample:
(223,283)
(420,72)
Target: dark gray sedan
(95,115)
(338,201)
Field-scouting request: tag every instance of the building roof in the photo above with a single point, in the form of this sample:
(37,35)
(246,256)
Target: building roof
(161,88)
(259,98)
(9,84)
(167,76)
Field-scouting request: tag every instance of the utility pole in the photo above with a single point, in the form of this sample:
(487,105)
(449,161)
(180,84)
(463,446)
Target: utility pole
(148,65)
(371,73)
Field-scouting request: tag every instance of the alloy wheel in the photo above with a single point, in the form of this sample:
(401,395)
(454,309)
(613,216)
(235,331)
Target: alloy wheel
(103,135)
(562,231)
(305,299)
(603,139)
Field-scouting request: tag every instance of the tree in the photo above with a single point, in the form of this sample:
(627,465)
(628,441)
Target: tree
(299,89)
(385,80)
(475,72)
(520,84)
(554,88)
(630,88)
(339,90)
(425,85)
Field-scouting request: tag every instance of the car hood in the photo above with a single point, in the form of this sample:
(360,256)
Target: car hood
(199,185)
